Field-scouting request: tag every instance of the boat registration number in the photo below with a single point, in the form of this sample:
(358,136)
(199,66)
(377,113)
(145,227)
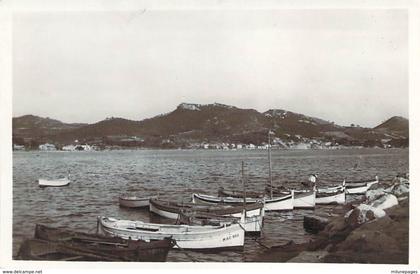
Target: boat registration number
(230,237)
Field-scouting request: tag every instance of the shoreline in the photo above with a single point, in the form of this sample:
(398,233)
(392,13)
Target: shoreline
(357,237)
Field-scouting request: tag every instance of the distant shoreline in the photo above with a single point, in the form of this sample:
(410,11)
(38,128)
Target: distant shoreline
(201,149)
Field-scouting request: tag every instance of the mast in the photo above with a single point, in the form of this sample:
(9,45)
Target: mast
(269,164)
(243,185)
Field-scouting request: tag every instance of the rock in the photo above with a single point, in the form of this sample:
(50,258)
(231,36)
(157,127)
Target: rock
(386,257)
(399,190)
(384,240)
(402,179)
(385,202)
(374,194)
(314,224)
(367,241)
(335,231)
(363,213)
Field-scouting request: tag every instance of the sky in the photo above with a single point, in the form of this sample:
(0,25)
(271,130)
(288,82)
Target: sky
(347,66)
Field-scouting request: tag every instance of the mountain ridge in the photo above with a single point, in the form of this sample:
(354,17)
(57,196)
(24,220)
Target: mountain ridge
(192,123)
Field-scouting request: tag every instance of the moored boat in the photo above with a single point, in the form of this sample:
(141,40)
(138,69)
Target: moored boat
(251,219)
(53,183)
(113,248)
(187,237)
(279,203)
(251,224)
(172,210)
(133,201)
(41,250)
(304,199)
(239,194)
(331,195)
(360,187)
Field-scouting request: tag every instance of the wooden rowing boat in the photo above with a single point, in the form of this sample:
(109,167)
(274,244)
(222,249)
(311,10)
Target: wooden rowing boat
(133,201)
(281,203)
(251,224)
(187,237)
(360,187)
(239,194)
(331,195)
(172,210)
(41,250)
(124,250)
(251,219)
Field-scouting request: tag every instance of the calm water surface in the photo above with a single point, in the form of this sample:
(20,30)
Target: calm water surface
(99,177)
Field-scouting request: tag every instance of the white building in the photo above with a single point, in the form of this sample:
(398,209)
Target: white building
(18,147)
(83,147)
(302,146)
(68,148)
(47,147)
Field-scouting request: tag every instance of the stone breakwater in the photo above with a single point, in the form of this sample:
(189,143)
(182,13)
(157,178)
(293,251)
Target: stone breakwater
(372,230)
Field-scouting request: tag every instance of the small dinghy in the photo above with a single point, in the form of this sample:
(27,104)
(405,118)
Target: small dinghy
(110,248)
(225,236)
(280,203)
(53,183)
(251,219)
(133,201)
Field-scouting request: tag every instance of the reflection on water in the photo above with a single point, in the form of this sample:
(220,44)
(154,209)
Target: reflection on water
(99,177)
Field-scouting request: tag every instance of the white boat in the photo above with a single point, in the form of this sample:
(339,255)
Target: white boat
(133,201)
(304,199)
(360,187)
(54,183)
(186,236)
(251,224)
(171,210)
(331,195)
(251,219)
(281,203)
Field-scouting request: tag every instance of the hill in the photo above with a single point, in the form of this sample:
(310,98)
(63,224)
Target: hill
(30,126)
(395,124)
(211,123)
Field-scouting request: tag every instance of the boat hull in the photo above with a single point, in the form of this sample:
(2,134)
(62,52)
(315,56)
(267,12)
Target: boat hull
(133,202)
(338,197)
(171,210)
(113,248)
(356,189)
(252,222)
(186,237)
(283,203)
(304,200)
(53,183)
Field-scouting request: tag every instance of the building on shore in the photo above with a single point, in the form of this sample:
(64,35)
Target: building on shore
(47,147)
(18,147)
